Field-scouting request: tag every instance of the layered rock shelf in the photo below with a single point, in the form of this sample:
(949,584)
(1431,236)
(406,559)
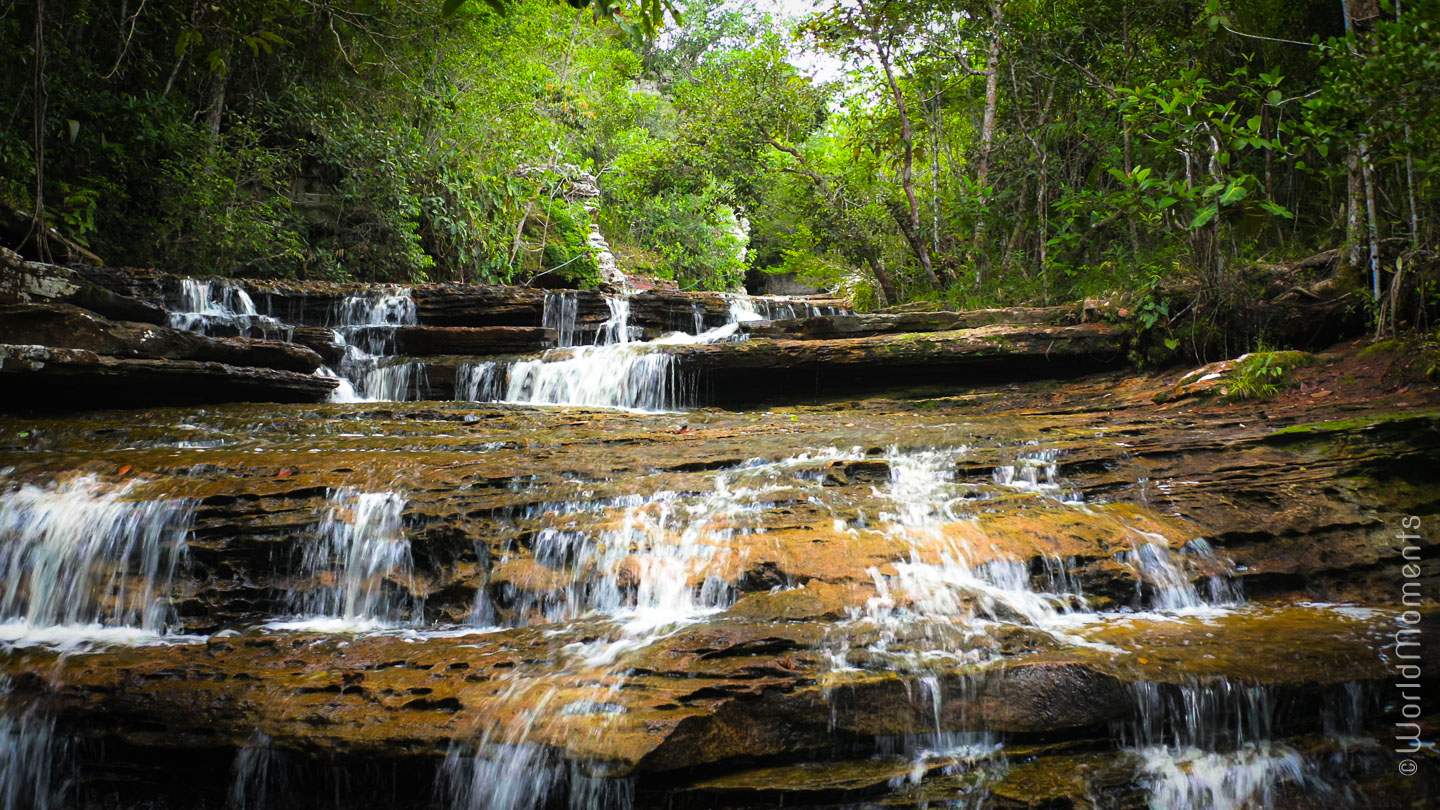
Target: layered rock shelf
(675,550)
(1124,563)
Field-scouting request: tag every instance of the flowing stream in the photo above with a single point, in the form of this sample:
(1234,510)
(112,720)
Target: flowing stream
(883,582)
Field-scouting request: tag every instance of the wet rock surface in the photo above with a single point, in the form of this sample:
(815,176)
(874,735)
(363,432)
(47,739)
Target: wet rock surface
(1126,564)
(69,327)
(67,379)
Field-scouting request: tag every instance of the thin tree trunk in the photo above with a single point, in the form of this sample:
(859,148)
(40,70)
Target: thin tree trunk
(1371,225)
(41,230)
(1410,187)
(987,137)
(1410,174)
(907,173)
(1354,189)
(882,276)
(218,83)
(1353,194)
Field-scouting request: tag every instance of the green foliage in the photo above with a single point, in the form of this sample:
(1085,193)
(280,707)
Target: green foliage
(1126,145)
(1257,376)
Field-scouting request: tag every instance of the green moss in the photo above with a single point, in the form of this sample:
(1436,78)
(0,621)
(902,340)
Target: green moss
(1376,349)
(1353,423)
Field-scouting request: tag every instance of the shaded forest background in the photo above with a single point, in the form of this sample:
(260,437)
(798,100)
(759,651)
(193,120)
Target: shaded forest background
(971,152)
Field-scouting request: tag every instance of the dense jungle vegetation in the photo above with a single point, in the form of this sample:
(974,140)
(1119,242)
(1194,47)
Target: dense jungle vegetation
(973,151)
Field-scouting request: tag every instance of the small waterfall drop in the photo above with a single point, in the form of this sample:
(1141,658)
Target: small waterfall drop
(258,777)
(1208,746)
(31,760)
(219,308)
(560,313)
(939,580)
(78,558)
(619,371)
(356,548)
(365,325)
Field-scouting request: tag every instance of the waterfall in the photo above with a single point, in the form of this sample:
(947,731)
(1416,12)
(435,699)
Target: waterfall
(258,777)
(30,758)
(617,372)
(480,382)
(365,325)
(355,548)
(561,310)
(1207,746)
(78,558)
(1171,585)
(219,307)
(629,376)
(939,580)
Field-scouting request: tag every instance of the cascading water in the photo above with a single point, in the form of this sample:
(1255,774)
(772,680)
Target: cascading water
(1170,585)
(365,326)
(615,373)
(257,779)
(219,307)
(31,760)
(480,382)
(939,581)
(560,313)
(78,560)
(1208,746)
(618,371)
(356,548)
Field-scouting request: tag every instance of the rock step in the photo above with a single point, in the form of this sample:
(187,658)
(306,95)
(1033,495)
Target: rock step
(703,697)
(77,378)
(314,303)
(829,327)
(63,326)
(424,341)
(24,281)
(752,370)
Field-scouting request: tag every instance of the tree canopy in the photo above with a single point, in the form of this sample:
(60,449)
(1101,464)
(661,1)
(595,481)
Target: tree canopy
(996,151)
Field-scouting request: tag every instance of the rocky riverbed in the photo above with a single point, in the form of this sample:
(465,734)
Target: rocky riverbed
(956,592)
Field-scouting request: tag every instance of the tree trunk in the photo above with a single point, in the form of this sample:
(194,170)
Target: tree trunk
(907,172)
(987,137)
(1354,183)
(218,83)
(42,244)
(1372,229)
(1353,194)
(1410,187)
(882,276)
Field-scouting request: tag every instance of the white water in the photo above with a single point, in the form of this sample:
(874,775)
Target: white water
(30,751)
(1208,746)
(219,307)
(480,382)
(940,581)
(365,326)
(357,547)
(618,371)
(257,779)
(560,313)
(78,560)
(1170,583)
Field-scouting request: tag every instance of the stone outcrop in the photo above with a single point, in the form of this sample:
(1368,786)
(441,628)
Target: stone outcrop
(63,355)
(35,282)
(75,379)
(422,341)
(830,327)
(69,327)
